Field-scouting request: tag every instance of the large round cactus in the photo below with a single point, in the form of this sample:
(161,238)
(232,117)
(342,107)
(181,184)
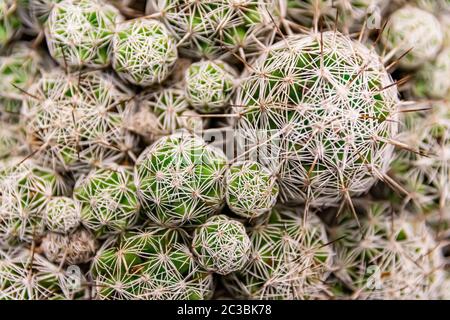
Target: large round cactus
(179,179)
(144,51)
(221,245)
(318,110)
(79,32)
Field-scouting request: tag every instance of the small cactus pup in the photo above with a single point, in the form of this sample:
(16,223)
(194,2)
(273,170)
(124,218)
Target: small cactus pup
(76,121)
(217,28)
(79,32)
(108,200)
(26,275)
(209,85)
(69,249)
(179,179)
(149,264)
(289,259)
(251,189)
(62,215)
(144,52)
(27,188)
(319,111)
(419,31)
(10,24)
(432,79)
(387,255)
(221,245)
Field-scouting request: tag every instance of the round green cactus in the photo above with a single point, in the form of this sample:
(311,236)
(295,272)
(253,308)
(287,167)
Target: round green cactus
(9,22)
(179,179)
(251,189)
(144,51)
(62,215)
(150,264)
(221,245)
(76,248)
(411,28)
(387,255)
(79,32)
(214,28)
(289,259)
(108,200)
(209,85)
(318,111)
(26,190)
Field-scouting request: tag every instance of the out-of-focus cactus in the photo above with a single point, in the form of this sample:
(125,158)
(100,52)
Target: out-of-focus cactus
(10,24)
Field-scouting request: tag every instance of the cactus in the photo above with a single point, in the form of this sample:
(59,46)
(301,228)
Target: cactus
(150,264)
(76,121)
(144,52)
(221,245)
(26,190)
(79,32)
(214,28)
(387,255)
(319,111)
(251,189)
(289,259)
(76,248)
(108,200)
(209,85)
(10,24)
(34,13)
(179,179)
(62,215)
(12,141)
(411,28)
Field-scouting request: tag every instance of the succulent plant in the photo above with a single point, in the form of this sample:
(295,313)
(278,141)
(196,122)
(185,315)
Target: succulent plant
(179,179)
(419,31)
(79,32)
(26,190)
(108,200)
(62,215)
(149,264)
(318,111)
(26,275)
(144,51)
(77,120)
(69,249)
(387,255)
(251,189)
(209,85)
(289,259)
(221,245)
(9,22)
(214,28)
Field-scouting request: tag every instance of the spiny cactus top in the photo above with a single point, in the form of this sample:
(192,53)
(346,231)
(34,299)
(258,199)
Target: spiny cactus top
(79,32)
(214,28)
(26,275)
(221,245)
(77,120)
(390,256)
(62,215)
(288,259)
(319,110)
(209,85)
(411,28)
(251,189)
(9,22)
(109,201)
(144,51)
(149,264)
(179,179)
(26,190)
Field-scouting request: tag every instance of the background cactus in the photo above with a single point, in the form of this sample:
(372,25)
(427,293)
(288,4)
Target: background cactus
(9,22)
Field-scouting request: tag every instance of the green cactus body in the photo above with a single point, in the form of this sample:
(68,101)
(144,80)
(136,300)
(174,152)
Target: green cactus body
(79,32)
(179,179)
(108,200)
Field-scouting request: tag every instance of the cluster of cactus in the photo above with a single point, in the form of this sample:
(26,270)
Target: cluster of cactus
(243,149)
